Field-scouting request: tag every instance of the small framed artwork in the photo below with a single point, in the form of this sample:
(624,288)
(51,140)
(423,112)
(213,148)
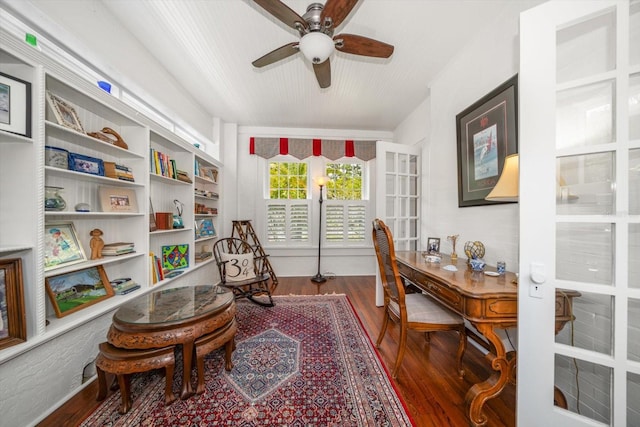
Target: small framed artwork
(433,245)
(65,114)
(487,133)
(86,164)
(79,289)
(118,199)
(205,228)
(15,105)
(61,245)
(175,257)
(13,326)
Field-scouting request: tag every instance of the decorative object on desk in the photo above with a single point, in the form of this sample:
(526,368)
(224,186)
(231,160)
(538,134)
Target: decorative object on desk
(61,245)
(56,157)
(205,228)
(507,188)
(177,219)
(477,264)
(82,207)
(175,257)
(13,324)
(102,136)
(53,201)
(450,267)
(453,239)
(96,243)
(118,248)
(474,250)
(118,199)
(433,245)
(321,181)
(501,267)
(70,292)
(15,114)
(487,133)
(86,164)
(434,258)
(152,217)
(64,113)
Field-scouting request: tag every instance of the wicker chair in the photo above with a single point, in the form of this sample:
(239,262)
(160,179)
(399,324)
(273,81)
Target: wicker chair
(243,270)
(414,311)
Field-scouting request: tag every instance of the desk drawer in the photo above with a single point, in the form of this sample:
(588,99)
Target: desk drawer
(439,291)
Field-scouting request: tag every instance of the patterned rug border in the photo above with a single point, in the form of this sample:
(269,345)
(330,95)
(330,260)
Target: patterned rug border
(360,334)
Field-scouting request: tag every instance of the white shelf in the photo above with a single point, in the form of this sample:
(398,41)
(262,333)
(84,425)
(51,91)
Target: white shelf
(63,215)
(91,263)
(57,131)
(87,177)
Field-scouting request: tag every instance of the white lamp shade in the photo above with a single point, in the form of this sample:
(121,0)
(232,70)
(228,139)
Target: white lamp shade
(321,180)
(316,47)
(507,188)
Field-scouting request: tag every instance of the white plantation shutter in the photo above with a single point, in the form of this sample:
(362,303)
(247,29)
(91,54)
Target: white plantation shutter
(345,222)
(288,221)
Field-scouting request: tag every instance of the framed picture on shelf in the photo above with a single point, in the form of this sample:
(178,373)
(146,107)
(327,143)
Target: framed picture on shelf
(70,292)
(205,228)
(118,199)
(65,114)
(86,164)
(487,132)
(61,245)
(175,257)
(13,326)
(15,105)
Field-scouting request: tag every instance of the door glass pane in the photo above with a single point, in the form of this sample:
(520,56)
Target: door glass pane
(634,106)
(403,163)
(633,399)
(391,162)
(413,186)
(403,186)
(413,208)
(634,255)
(413,165)
(586,48)
(585,184)
(592,327)
(391,185)
(633,338)
(402,202)
(634,36)
(634,181)
(585,115)
(584,252)
(578,380)
(390,208)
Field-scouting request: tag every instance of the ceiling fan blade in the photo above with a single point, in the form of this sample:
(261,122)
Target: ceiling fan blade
(360,45)
(323,73)
(283,13)
(276,55)
(337,10)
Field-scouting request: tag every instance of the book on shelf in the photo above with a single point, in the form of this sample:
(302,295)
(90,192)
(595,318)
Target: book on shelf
(117,171)
(162,164)
(118,248)
(127,290)
(201,256)
(124,285)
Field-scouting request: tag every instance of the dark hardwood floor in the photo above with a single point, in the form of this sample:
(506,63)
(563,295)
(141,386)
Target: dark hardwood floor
(427,380)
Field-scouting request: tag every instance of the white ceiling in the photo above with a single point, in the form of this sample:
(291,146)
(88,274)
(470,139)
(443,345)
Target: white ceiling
(208,45)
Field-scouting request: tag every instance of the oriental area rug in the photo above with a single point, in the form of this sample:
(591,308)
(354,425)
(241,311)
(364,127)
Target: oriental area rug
(305,362)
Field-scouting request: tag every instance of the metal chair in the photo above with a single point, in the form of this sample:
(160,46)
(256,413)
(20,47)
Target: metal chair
(414,311)
(243,270)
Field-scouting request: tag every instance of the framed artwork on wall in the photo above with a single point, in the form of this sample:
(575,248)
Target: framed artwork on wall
(70,292)
(13,326)
(487,132)
(15,105)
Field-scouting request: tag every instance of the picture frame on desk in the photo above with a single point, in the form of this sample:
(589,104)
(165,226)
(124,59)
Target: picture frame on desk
(487,132)
(15,105)
(118,199)
(64,113)
(433,245)
(86,164)
(74,291)
(61,245)
(13,325)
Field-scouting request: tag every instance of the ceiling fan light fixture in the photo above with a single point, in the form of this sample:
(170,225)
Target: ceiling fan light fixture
(316,46)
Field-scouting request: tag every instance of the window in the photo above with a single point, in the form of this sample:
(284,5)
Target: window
(288,207)
(346,212)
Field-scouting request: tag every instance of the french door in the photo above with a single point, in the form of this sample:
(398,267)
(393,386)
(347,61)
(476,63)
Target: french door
(580,214)
(398,180)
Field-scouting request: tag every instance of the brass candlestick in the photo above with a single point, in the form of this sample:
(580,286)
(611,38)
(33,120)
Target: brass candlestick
(453,239)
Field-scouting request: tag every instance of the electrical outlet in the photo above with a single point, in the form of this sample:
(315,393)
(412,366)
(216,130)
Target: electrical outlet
(535,290)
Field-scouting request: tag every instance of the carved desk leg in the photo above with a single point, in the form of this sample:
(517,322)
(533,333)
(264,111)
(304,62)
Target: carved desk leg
(503,364)
(187,360)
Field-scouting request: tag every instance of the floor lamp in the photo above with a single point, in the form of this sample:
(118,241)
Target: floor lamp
(321,181)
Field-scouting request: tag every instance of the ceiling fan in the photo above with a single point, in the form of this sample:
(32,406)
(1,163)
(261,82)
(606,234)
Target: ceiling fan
(317,41)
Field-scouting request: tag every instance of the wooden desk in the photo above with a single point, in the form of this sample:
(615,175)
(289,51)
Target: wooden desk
(488,303)
(176,316)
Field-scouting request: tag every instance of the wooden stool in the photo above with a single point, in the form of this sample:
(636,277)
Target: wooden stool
(216,339)
(122,362)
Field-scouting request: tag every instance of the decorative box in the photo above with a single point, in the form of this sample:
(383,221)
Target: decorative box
(56,157)
(86,164)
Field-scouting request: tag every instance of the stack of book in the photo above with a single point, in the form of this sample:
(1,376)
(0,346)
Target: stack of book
(116,171)
(124,286)
(119,248)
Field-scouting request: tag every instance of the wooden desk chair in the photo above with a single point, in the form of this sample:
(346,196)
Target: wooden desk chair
(243,270)
(412,311)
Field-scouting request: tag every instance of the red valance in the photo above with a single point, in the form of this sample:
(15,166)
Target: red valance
(302,148)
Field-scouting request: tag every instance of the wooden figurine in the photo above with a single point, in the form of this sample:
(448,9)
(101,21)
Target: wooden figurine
(96,243)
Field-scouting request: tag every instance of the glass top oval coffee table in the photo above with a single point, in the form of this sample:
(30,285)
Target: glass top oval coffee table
(174,316)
